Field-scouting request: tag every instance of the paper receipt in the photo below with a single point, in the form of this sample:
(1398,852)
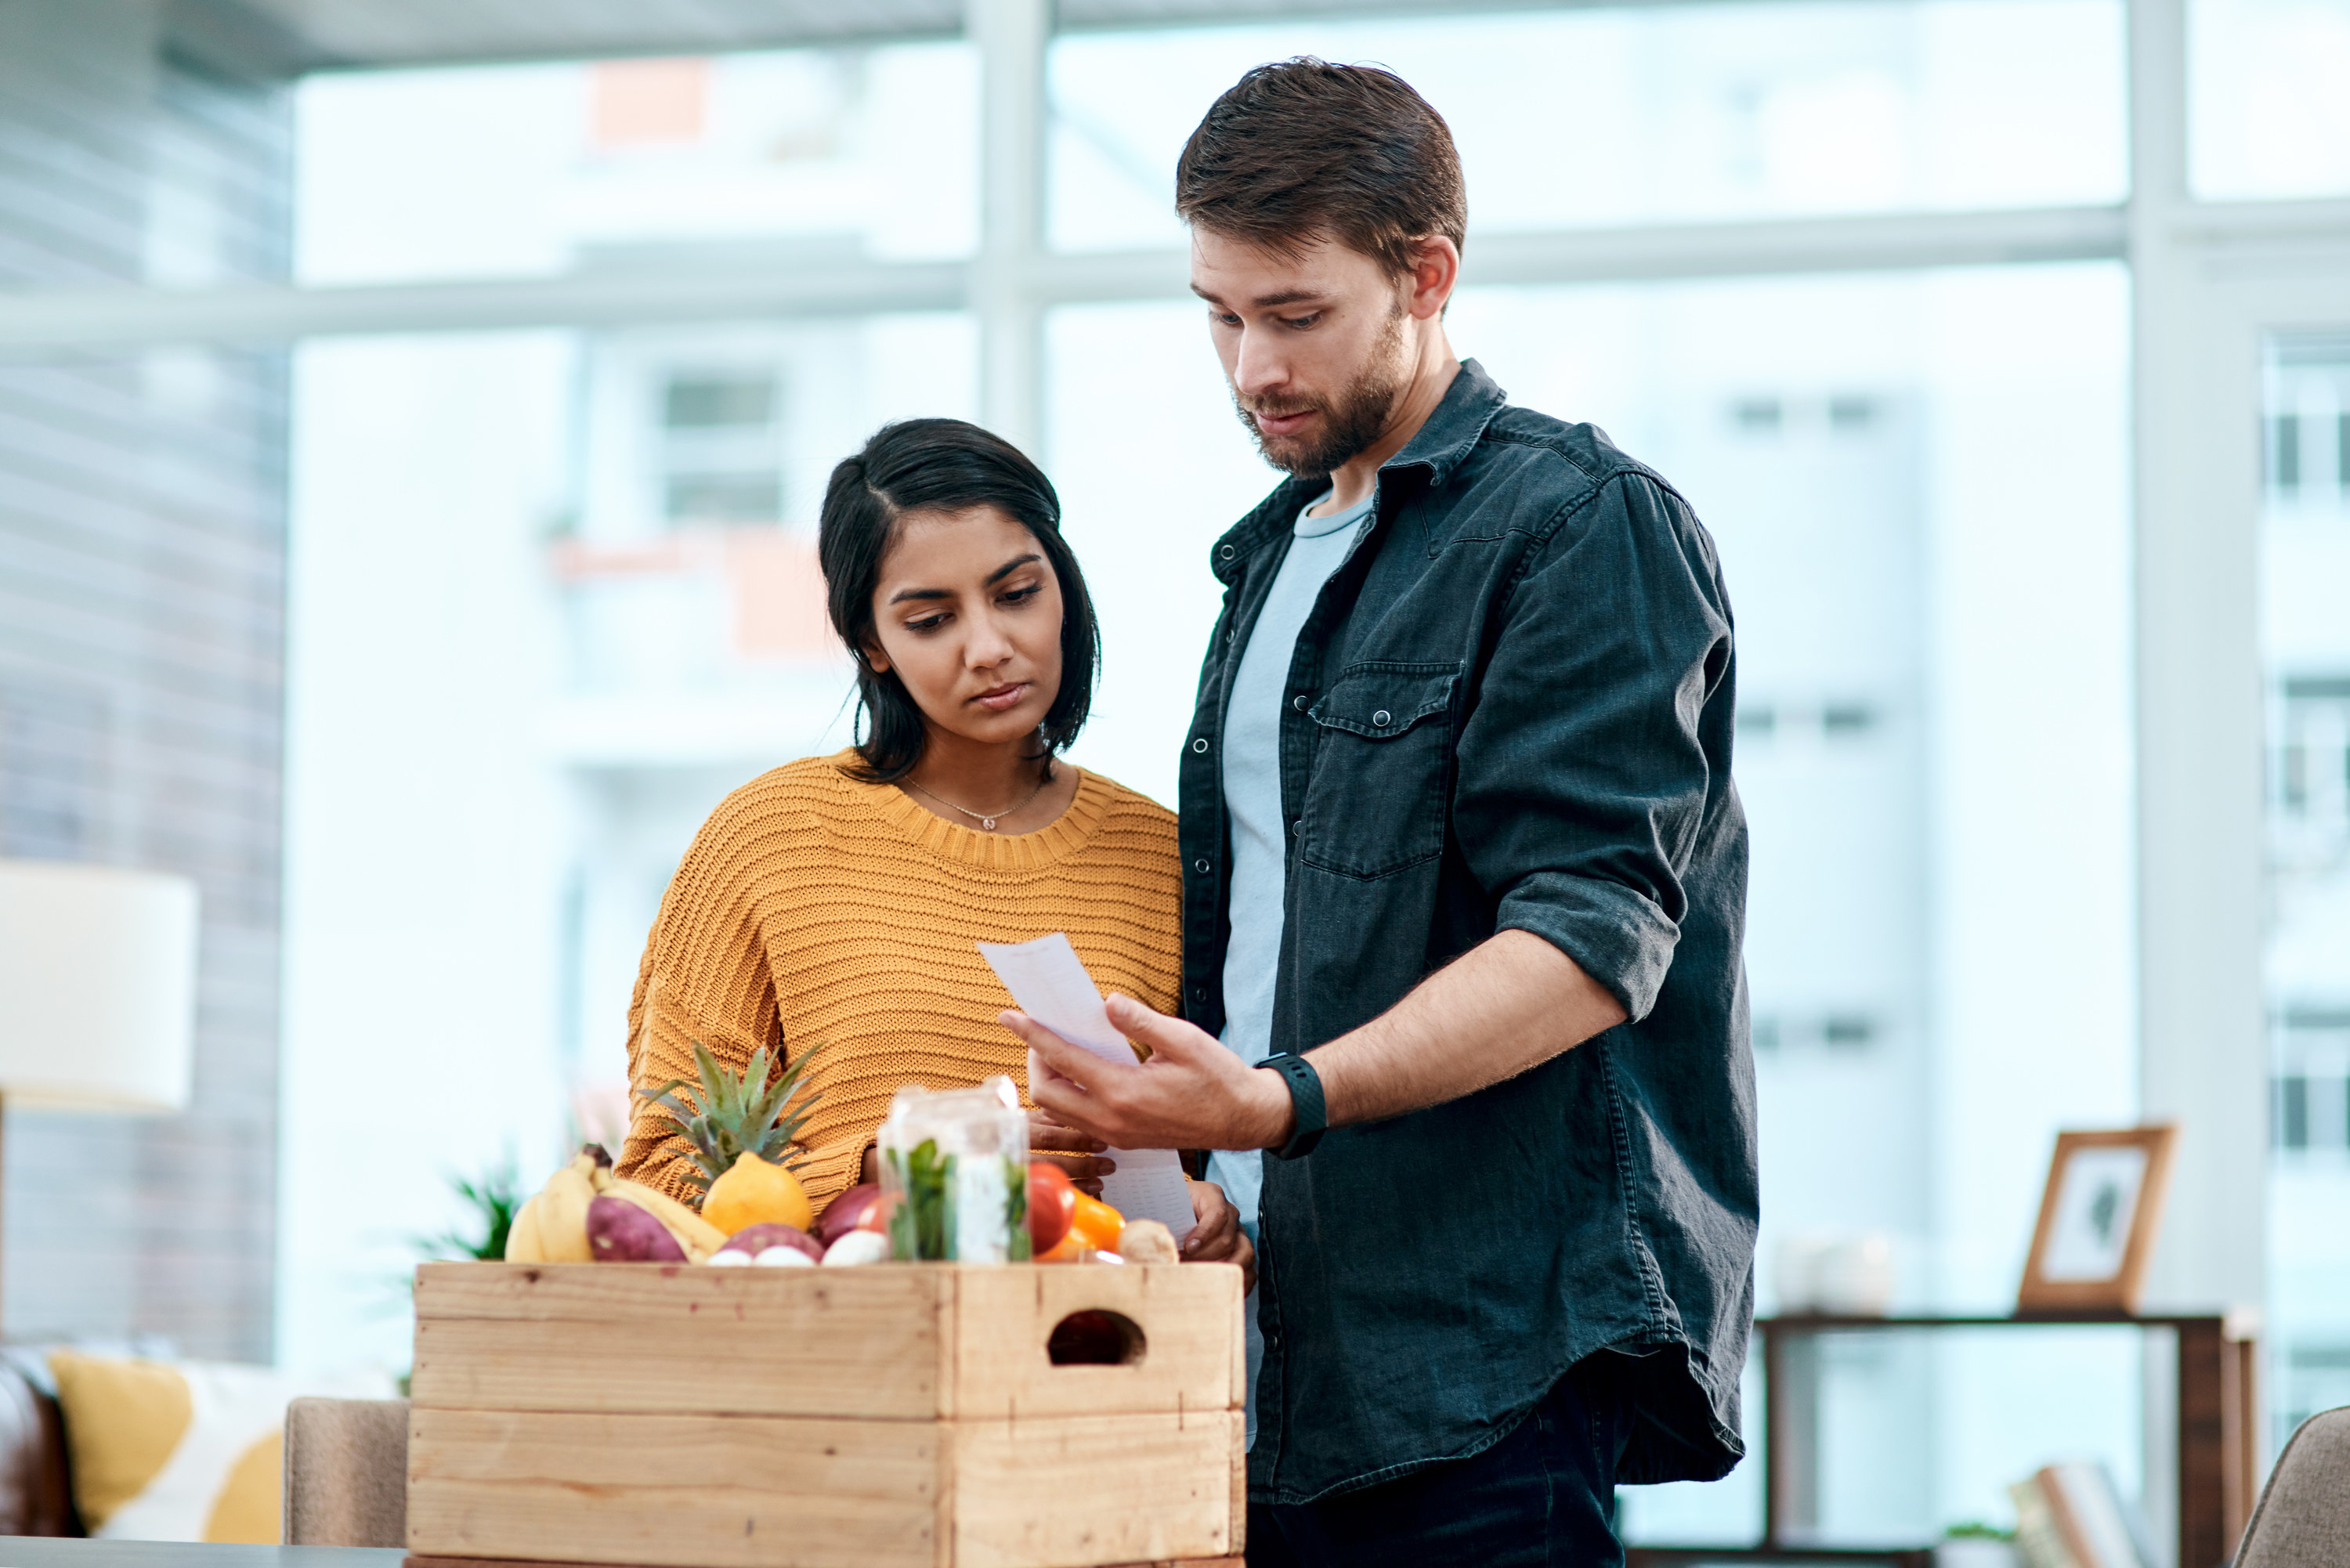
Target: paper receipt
(1050,984)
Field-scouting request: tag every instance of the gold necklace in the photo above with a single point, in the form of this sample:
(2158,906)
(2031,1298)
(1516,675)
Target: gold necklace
(986,822)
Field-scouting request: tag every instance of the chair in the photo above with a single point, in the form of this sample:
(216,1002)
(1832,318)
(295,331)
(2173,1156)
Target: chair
(2303,1517)
(346,1472)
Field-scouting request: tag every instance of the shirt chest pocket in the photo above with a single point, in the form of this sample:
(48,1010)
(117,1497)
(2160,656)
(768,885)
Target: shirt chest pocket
(1374,800)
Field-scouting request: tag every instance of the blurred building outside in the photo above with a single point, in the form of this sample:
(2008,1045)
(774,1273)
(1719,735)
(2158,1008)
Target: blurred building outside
(142,521)
(2306,639)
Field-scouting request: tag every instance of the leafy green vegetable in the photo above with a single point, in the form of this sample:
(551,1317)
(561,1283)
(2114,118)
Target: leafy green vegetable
(918,1225)
(922,1226)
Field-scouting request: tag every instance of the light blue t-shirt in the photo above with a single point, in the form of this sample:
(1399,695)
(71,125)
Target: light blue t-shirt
(1260,868)
(1252,771)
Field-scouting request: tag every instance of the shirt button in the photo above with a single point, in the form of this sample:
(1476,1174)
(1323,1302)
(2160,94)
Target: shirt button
(1298,702)
(1201,866)
(1201,744)
(1199,993)
(1380,717)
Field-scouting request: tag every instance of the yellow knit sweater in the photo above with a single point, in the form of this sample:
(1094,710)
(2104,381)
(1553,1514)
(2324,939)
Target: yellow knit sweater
(816,909)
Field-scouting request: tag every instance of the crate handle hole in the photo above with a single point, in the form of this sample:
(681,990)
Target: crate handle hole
(1097,1338)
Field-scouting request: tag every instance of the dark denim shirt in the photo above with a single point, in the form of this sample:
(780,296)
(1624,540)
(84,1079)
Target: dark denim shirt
(1511,709)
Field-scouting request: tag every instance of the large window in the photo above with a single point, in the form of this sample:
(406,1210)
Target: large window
(2270,116)
(544,169)
(1636,115)
(555,592)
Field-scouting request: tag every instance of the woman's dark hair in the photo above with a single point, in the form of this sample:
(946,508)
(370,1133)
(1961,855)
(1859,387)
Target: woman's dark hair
(941,465)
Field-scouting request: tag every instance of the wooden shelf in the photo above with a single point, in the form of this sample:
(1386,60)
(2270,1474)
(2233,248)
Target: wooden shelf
(2218,1432)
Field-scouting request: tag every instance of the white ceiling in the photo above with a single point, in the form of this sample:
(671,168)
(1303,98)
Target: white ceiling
(327,33)
(425,32)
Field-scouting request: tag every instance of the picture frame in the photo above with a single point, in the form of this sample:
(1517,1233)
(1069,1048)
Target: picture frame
(2099,1219)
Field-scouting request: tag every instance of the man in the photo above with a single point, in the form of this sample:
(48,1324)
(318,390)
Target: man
(1465,869)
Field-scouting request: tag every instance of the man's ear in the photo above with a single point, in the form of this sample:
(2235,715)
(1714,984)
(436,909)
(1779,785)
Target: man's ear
(1435,273)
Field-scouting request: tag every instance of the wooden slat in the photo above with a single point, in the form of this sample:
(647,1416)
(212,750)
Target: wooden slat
(615,1337)
(903,1343)
(660,1293)
(748,1367)
(1077,1491)
(674,1491)
(420,1560)
(1189,1314)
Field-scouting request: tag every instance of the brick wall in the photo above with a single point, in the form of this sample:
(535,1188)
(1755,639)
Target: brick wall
(142,553)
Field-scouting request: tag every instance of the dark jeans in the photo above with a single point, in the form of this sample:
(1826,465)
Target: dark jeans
(1543,1496)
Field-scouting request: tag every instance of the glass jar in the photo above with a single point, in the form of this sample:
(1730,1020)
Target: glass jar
(955,1172)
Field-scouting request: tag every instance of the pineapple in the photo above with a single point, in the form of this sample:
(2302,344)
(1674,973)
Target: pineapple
(729,1116)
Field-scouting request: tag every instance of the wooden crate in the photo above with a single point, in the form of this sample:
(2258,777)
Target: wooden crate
(897,1416)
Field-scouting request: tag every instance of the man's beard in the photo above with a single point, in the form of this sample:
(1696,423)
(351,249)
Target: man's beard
(1350,424)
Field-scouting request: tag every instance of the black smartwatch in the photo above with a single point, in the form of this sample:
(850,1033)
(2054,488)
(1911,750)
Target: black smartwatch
(1306,1099)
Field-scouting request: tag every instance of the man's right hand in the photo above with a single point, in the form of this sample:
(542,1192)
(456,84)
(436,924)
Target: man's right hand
(1191,1094)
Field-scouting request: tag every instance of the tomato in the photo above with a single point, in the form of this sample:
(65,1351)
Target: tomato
(875,1217)
(1097,1223)
(1051,1203)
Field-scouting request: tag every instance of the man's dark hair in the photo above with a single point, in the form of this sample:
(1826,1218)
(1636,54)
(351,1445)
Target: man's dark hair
(1302,148)
(941,465)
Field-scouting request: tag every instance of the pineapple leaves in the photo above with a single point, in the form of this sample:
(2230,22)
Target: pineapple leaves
(726,1115)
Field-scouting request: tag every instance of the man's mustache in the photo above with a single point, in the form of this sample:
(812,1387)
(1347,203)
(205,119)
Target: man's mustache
(1275,410)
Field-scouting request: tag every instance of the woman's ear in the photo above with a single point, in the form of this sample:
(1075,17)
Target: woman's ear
(875,660)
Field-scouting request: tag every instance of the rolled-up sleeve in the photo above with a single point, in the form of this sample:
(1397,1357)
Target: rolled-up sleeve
(1582,777)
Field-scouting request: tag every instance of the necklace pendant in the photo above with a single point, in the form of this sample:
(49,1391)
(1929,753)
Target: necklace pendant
(988,822)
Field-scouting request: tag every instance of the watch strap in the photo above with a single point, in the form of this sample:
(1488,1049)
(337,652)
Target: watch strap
(1305,1099)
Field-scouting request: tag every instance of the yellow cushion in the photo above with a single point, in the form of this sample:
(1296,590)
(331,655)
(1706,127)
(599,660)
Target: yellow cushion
(123,1419)
(181,1450)
(251,1504)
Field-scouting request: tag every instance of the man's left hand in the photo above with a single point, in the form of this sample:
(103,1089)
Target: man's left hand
(1191,1094)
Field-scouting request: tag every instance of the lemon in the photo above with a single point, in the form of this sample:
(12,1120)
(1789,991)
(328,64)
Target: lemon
(753,1193)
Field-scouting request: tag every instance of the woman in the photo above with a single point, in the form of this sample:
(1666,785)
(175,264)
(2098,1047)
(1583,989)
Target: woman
(836,900)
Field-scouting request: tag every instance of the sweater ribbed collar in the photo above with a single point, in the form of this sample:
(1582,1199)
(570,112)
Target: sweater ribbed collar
(1055,841)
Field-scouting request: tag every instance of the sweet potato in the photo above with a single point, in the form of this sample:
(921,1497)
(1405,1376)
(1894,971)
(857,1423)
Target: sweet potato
(620,1233)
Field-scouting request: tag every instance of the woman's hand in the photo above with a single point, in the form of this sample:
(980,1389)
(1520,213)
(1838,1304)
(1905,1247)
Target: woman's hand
(1217,1237)
(1050,1143)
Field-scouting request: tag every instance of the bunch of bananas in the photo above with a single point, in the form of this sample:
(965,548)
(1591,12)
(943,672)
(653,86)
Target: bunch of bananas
(553,1225)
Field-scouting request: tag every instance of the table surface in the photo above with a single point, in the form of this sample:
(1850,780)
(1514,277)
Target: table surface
(53,1552)
(1832,1321)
